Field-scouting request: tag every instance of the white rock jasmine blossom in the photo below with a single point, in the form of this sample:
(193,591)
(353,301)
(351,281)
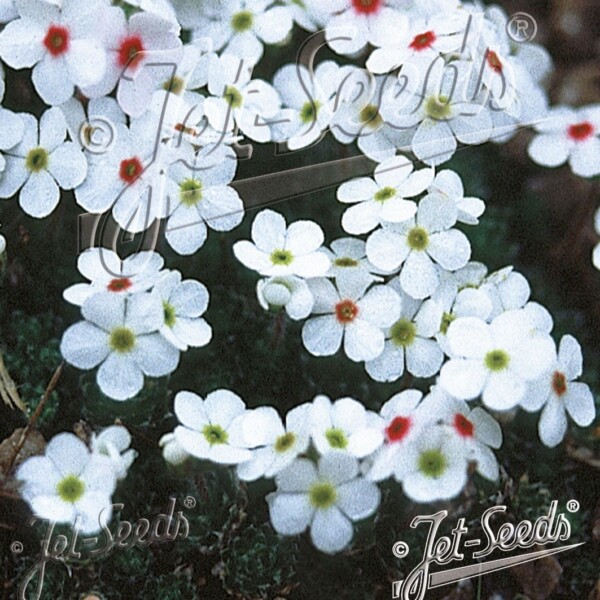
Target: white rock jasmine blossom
(172,451)
(346,313)
(114,442)
(327,499)
(121,334)
(596,251)
(496,360)
(449,184)
(383,199)
(436,466)
(558,393)
(12,129)
(417,244)
(274,446)
(41,163)
(571,135)
(184,303)
(61,42)
(106,272)
(211,428)
(69,484)
(410,343)
(279,250)
(344,426)
(289,292)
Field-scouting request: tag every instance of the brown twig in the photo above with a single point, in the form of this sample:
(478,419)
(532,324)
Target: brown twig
(35,416)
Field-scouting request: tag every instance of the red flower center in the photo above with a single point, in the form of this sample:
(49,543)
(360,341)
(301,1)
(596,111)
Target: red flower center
(130,170)
(581,131)
(119,285)
(346,311)
(463,426)
(493,60)
(57,40)
(423,41)
(130,51)
(366,7)
(559,383)
(398,429)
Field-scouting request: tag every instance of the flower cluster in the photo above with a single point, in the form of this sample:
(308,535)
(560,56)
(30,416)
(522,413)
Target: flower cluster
(138,318)
(72,483)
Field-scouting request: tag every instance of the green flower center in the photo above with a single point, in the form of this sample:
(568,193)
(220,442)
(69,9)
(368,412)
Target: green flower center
(432,463)
(242,21)
(385,194)
(336,438)
(122,340)
(284,442)
(215,434)
(497,360)
(190,192)
(233,97)
(403,333)
(169,312)
(36,160)
(418,239)
(322,495)
(447,318)
(174,85)
(438,108)
(70,488)
(370,116)
(310,111)
(345,261)
(282,257)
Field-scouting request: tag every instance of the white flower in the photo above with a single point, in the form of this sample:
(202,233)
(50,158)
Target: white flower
(171,449)
(475,429)
(435,466)
(449,184)
(348,313)
(114,442)
(61,43)
(275,447)
(122,336)
(2,245)
(401,425)
(183,304)
(237,100)
(107,272)
(559,394)
(596,251)
(12,129)
(211,429)
(572,135)
(290,292)
(69,484)
(409,342)
(277,250)
(383,199)
(495,360)
(201,197)
(344,426)
(417,243)
(41,162)
(241,27)
(131,46)
(349,261)
(356,23)
(328,499)
(507,289)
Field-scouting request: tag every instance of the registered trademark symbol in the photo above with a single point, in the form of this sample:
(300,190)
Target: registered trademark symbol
(400,549)
(16,547)
(521,27)
(189,502)
(572,506)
